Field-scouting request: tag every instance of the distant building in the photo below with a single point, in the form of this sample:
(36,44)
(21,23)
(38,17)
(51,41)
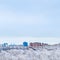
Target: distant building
(16,46)
(44,44)
(5,45)
(37,44)
(25,44)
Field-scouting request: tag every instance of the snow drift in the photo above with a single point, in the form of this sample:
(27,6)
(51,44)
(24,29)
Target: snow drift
(44,53)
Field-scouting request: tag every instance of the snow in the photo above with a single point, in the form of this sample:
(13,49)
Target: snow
(31,54)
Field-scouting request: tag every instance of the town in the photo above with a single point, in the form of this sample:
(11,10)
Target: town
(6,46)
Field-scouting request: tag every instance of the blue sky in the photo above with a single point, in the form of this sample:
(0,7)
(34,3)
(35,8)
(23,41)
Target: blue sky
(30,18)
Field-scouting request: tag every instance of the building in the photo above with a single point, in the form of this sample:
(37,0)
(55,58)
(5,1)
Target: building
(5,45)
(37,44)
(25,44)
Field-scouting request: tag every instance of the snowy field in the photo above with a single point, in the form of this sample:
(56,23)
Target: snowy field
(31,54)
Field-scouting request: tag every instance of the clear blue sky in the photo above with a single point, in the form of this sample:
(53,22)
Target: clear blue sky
(30,18)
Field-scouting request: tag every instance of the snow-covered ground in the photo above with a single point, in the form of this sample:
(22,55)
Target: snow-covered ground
(46,53)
